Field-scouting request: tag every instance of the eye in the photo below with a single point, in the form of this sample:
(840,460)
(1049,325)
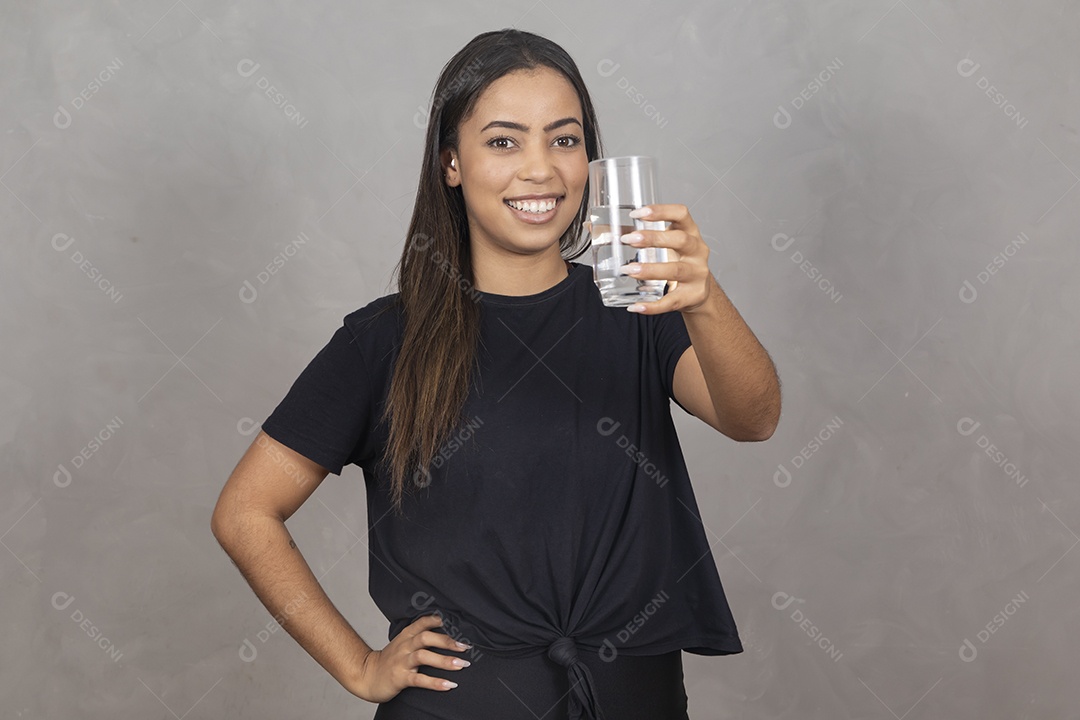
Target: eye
(492,142)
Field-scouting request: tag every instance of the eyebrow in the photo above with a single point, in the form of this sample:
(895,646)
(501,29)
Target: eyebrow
(525,128)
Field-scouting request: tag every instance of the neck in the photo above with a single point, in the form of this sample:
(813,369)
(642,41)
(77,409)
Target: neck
(516,275)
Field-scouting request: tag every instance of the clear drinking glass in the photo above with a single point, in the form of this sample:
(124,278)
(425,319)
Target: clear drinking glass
(618,185)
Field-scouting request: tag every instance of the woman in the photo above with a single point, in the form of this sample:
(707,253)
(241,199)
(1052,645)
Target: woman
(526,492)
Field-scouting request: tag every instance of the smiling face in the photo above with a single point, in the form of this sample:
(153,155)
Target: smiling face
(524,137)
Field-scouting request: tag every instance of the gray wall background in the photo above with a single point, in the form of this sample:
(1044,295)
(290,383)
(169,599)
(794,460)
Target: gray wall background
(889,191)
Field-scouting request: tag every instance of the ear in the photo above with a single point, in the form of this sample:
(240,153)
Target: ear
(449,172)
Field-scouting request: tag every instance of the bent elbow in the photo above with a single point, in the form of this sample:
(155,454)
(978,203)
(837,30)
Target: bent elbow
(223,524)
(218,527)
(764,435)
(759,434)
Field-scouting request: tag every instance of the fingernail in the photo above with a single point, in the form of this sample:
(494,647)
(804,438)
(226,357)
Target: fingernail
(640,212)
(632,269)
(636,307)
(448,684)
(632,238)
(462,645)
(460,663)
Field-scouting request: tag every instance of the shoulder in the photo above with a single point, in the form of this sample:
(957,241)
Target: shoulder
(381,316)
(376,329)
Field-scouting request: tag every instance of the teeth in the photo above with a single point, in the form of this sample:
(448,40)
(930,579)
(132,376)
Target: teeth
(533,206)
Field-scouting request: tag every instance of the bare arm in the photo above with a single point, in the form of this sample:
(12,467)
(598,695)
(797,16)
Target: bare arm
(269,483)
(726,378)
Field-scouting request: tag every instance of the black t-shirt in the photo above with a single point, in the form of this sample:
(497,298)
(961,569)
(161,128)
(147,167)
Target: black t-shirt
(561,507)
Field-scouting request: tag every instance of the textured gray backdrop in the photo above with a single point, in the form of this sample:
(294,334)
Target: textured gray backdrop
(195,193)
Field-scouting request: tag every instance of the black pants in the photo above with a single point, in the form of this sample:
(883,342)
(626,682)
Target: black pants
(494,688)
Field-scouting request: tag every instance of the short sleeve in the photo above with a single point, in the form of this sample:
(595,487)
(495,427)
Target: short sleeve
(324,415)
(671,339)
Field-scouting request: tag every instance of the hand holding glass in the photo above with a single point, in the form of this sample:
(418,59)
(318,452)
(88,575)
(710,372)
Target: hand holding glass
(617,186)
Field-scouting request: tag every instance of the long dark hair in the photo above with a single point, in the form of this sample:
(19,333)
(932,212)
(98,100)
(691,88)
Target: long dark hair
(435,363)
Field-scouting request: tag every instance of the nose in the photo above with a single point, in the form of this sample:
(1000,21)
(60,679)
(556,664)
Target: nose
(536,163)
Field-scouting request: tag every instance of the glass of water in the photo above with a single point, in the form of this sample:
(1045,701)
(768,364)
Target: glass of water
(617,186)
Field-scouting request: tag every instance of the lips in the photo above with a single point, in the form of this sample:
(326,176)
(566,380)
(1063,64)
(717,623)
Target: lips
(535,218)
